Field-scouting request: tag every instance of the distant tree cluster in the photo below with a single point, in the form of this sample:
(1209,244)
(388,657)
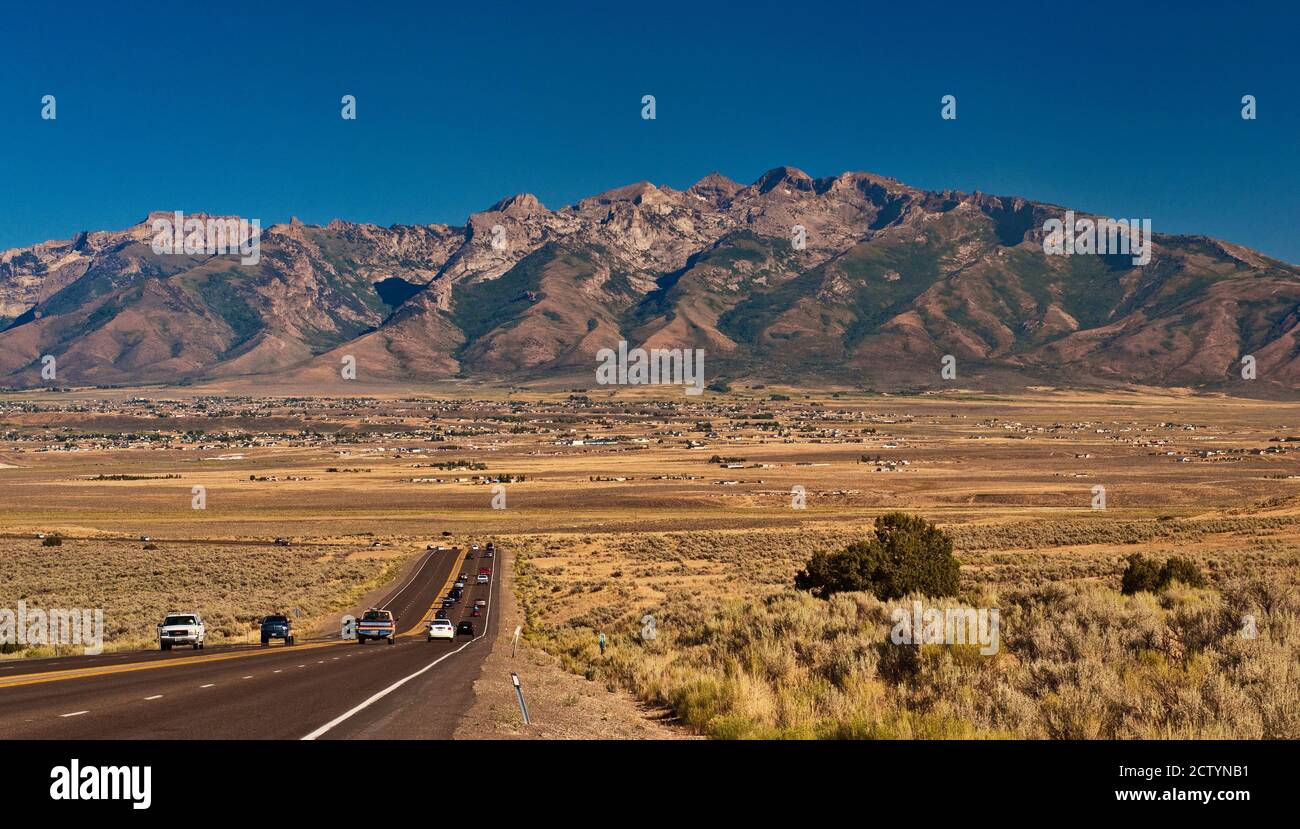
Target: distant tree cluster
(906,554)
(458,464)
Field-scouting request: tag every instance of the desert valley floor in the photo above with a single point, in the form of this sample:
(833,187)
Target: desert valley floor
(693,509)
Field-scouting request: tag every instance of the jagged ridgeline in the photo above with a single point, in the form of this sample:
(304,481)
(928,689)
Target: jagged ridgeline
(854,280)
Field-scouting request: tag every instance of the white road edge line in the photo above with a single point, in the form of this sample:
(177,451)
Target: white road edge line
(346,715)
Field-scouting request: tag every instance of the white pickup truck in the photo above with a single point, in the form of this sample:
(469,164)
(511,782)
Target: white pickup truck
(181,629)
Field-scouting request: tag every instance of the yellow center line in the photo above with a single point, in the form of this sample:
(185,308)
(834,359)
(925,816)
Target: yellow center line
(129,667)
(437,599)
(80,673)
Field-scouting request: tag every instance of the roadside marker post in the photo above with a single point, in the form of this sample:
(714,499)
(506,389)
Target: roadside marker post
(523,709)
(514,643)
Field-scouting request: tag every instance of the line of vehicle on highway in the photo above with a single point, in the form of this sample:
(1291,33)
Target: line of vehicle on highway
(194,630)
(188,628)
(440,628)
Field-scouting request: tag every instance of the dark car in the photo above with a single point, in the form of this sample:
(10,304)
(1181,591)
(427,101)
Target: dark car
(448,602)
(277,626)
(465,628)
(456,593)
(441,614)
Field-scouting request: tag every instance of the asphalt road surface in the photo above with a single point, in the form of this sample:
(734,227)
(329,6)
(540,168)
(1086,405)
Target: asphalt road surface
(325,689)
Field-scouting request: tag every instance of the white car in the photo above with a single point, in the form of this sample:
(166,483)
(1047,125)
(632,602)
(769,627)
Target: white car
(182,629)
(441,629)
(482,578)
(460,584)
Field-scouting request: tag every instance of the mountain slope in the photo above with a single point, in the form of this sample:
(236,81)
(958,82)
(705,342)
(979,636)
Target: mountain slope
(891,279)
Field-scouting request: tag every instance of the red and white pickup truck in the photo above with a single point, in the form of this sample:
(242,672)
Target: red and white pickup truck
(377,624)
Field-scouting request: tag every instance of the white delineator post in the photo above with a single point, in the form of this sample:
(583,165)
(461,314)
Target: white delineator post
(523,709)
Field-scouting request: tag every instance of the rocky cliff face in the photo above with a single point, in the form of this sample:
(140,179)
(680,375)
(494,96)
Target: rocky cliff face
(889,280)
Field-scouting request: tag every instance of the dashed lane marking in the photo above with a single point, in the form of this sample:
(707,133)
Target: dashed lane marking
(106,670)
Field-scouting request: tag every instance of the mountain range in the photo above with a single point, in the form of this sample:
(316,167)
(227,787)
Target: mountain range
(891,278)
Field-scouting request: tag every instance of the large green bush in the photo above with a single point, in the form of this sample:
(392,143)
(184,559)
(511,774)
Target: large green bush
(906,554)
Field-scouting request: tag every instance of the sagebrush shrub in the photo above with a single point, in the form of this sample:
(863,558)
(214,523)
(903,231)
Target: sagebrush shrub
(1142,574)
(906,555)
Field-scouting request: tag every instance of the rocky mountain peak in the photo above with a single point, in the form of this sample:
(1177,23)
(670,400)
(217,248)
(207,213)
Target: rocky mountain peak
(518,203)
(716,189)
(791,178)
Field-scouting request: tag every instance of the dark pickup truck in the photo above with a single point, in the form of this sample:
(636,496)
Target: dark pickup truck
(277,626)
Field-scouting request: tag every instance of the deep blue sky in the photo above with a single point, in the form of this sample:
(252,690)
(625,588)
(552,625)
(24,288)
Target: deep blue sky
(1128,110)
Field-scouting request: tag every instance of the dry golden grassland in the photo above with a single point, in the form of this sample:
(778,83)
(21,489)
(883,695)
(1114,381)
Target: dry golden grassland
(231,585)
(649,524)
(738,653)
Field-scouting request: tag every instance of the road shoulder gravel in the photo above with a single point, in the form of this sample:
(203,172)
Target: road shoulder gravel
(561,705)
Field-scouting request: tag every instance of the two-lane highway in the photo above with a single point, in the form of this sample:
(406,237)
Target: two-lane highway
(331,688)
